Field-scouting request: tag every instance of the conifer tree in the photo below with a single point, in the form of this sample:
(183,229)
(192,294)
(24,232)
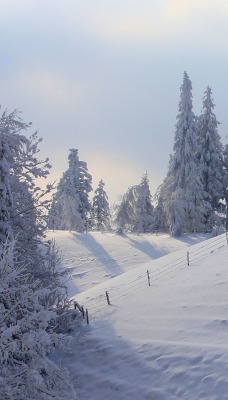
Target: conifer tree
(182,190)
(210,156)
(135,213)
(144,210)
(100,208)
(71,206)
(225,158)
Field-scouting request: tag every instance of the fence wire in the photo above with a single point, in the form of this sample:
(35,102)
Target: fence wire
(156,273)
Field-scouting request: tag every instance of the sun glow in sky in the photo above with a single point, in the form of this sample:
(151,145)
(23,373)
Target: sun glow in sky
(103,76)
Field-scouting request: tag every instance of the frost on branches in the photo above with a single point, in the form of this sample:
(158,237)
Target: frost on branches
(27,337)
(100,213)
(32,297)
(135,212)
(70,205)
(210,158)
(181,194)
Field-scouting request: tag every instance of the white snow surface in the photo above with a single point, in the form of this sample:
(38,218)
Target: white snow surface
(165,341)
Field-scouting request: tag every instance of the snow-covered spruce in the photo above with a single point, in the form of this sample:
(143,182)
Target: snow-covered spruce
(100,213)
(71,206)
(225,160)
(210,159)
(135,212)
(181,196)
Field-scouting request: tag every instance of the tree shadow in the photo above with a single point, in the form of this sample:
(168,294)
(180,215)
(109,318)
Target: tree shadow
(88,241)
(191,240)
(146,247)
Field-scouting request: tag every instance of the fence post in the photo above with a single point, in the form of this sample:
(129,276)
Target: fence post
(83,312)
(148,277)
(87,316)
(107,297)
(188,261)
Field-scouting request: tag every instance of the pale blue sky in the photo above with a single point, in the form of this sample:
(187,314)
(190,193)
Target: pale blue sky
(103,76)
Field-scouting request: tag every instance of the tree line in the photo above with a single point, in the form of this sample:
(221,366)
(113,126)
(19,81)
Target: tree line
(192,197)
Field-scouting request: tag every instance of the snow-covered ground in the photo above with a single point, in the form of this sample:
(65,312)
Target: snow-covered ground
(166,341)
(94,257)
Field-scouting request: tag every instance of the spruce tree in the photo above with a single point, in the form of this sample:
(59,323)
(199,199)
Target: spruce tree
(135,212)
(225,179)
(144,210)
(100,208)
(182,190)
(210,157)
(71,205)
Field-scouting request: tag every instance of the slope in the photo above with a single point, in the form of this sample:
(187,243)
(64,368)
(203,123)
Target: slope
(94,257)
(164,341)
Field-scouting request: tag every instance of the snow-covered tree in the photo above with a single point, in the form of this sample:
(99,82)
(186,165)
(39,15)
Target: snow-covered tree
(27,337)
(210,155)
(225,157)
(182,190)
(100,208)
(71,206)
(135,212)
(22,201)
(144,210)
(11,145)
(33,301)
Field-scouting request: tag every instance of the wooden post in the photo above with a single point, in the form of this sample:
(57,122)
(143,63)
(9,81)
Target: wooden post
(107,297)
(188,261)
(87,316)
(148,277)
(83,312)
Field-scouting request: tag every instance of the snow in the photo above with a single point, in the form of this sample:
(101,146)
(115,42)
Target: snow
(161,342)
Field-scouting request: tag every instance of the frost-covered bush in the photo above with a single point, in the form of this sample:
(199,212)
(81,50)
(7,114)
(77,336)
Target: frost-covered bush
(27,337)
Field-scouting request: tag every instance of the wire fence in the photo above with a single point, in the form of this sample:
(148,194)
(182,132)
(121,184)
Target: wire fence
(158,272)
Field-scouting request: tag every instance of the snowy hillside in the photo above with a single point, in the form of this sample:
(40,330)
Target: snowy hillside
(94,257)
(161,342)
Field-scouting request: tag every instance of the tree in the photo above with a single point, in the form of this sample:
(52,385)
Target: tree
(225,156)
(182,190)
(32,296)
(100,208)
(22,201)
(210,156)
(135,212)
(27,337)
(144,210)
(11,144)
(71,206)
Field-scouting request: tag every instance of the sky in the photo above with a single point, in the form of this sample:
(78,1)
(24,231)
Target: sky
(104,76)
